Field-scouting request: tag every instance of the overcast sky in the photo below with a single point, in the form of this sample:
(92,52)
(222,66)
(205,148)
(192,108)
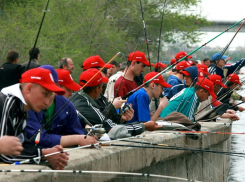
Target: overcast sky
(223,10)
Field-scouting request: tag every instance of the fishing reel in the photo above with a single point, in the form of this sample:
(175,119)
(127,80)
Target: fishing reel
(96,130)
(125,107)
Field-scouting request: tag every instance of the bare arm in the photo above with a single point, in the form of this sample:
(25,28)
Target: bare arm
(163,102)
(71,140)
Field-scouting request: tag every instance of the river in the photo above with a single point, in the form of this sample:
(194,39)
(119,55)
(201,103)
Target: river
(237,173)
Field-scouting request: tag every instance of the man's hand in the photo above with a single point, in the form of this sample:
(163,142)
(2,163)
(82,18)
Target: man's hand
(241,109)
(151,126)
(10,145)
(117,103)
(57,161)
(128,115)
(230,111)
(243,98)
(87,140)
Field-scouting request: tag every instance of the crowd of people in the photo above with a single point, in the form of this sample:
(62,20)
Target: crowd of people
(43,109)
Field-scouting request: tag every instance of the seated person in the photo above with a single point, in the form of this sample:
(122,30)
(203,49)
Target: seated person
(60,121)
(140,99)
(85,103)
(187,101)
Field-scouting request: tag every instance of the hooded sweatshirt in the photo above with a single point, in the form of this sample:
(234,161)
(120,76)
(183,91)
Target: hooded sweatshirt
(177,88)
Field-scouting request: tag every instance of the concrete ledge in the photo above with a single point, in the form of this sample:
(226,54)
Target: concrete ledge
(185,164)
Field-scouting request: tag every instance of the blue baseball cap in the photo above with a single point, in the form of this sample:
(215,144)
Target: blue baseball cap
(52,70)
(217,55)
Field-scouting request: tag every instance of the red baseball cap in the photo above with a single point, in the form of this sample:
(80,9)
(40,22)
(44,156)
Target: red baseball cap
(93,62)
(172,61)
(65,79)
(182,54)
(182,65)
(202,67)
(42,77)
(207,85)
(88,74)
(140,57)
(234,78)
(158,79)
(217,79)
(160,65)
(186,73)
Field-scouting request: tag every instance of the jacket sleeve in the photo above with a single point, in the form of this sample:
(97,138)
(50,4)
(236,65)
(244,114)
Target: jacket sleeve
(167,90)
(34,123)
(238,65)
(95,116)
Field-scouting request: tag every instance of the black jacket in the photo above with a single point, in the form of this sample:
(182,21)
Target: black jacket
(10,74)
(13,123)
(226,98)
(91,111)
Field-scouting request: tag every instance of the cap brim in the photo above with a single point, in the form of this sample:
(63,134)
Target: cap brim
(109,66)
(186,73)
(222,85)
(240,83)
(105,79)
(54,88)
(189,57)
(224,57)
(166,85)
(73,86)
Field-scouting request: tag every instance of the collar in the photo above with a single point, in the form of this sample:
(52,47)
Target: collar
(15,91)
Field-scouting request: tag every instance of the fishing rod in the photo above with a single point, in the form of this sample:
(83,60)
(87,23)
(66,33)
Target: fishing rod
(37,133)
(170,66)
(146,40)
(159,44)
(224,50)
(205,132)
(212,69)
(179,148)
(80,147)
(159,41)
(145,175)
(237,104)
(45,11)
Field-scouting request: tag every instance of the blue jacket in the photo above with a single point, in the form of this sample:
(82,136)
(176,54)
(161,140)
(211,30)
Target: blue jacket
(231,68)
(177,88)
(172,80)
(66,123)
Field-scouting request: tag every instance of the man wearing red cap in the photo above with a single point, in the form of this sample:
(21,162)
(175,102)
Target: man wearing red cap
(233,81)
(96,62)
(135,66)
(217,81)
(190,78)
(159,67)
(187,101)
(62,126)
(34,92)
(86,105)
(177,77)
(182,54)
(140,100)
(66,82)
